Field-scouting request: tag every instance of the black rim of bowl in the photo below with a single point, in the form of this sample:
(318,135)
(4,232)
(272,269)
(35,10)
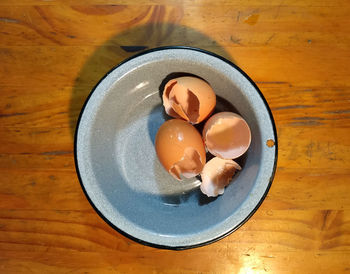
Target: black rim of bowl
(220,236)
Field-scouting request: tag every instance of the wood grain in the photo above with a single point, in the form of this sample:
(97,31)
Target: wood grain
(53,52)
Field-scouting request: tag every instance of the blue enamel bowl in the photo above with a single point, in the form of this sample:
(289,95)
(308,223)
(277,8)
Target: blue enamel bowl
(117,164)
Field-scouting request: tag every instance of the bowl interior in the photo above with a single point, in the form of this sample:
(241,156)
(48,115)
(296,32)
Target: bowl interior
(119,168)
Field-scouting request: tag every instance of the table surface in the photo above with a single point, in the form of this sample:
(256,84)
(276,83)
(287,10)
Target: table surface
(53,52)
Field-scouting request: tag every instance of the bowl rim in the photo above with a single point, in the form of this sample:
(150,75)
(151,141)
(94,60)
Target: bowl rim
(184,246)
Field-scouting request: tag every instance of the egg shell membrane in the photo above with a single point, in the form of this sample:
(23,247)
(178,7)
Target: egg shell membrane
(216,175)
(227,135)
(189,166)
(189,98)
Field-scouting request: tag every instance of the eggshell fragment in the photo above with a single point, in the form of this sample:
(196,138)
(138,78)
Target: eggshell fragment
(227,135)
(166,103)
(180,149)
(188,166)
(216,175)
(189,98)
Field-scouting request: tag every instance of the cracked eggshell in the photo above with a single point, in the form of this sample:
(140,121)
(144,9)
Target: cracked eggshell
(227,135)
(189,98)
(180,149)
(216,175)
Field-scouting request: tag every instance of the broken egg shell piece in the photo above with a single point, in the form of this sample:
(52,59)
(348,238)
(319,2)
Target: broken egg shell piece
(190,98)
(189,166)
(216,175)
(166,103)
(185,103)
(227,135)
(180,149)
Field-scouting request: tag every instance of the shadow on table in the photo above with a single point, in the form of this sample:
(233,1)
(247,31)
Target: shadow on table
(126,44)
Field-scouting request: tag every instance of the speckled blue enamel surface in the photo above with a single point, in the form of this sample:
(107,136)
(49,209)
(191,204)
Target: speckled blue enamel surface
(117,163)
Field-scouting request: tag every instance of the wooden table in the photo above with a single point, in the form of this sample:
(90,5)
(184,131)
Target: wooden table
(52,53)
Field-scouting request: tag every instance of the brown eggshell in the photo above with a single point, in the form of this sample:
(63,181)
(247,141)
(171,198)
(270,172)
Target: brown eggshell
(180,149)
(216,175)
(227,135)
(190,98)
